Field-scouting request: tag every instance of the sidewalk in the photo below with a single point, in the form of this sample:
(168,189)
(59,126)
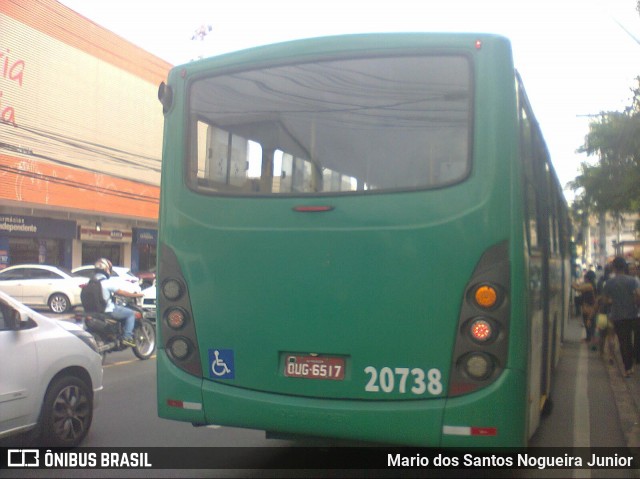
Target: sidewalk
(626,392)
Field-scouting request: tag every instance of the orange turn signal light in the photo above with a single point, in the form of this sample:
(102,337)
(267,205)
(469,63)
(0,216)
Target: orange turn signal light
(486,296)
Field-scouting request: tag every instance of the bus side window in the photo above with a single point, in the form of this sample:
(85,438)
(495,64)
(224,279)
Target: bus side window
(227,162)
(530,199)
(223,159)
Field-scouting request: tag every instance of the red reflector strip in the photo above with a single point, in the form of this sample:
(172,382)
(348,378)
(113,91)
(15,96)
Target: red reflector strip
(462,388)
(184,404)
(484,431)
(469,431)
(312,209)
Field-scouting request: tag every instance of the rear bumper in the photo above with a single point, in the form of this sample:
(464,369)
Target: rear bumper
(427,423)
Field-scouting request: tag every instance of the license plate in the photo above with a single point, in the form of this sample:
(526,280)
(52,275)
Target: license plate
(314,367)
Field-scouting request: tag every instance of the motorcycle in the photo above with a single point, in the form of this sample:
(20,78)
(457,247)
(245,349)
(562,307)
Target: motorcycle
(108,331)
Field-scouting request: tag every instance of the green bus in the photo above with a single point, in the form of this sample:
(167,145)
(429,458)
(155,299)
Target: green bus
(361,237)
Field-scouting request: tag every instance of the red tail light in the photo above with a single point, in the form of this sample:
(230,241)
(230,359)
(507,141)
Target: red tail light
(313,209)
(481,330)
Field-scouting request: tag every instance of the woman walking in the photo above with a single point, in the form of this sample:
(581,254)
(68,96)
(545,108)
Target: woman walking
(588,290)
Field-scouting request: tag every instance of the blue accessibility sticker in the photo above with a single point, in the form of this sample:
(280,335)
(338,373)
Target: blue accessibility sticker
(221,364)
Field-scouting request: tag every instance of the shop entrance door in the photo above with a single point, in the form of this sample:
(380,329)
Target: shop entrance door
(92,251)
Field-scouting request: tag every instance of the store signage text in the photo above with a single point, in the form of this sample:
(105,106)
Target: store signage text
(16,224)
(11,70)
(36,227)
(115,235)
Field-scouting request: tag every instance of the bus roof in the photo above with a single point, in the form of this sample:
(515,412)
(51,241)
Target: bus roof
(374,43)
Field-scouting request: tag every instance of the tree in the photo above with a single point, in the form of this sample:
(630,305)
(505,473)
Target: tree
(613,184)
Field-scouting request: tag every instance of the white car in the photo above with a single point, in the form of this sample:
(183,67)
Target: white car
(41,285)
(51,377)
(149,301)
(128,282)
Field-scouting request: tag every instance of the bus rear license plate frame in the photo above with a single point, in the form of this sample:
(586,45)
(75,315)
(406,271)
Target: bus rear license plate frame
(328,368)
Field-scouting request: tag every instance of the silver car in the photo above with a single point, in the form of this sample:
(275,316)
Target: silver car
(41,285)
(52,373)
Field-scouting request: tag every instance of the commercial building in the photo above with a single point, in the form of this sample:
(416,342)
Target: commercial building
(80,140)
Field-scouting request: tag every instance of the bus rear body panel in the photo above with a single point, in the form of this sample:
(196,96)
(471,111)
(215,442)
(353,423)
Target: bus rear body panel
(379,297)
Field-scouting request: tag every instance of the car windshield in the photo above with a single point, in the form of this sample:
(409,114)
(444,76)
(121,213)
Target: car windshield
(85,273)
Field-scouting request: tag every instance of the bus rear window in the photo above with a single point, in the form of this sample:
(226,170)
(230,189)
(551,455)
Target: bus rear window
(348,126)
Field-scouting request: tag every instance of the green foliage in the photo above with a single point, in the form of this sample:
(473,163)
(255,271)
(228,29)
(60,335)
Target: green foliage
(613,184)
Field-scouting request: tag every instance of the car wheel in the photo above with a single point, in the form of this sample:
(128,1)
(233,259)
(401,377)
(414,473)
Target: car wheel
(59,303)
(67,412)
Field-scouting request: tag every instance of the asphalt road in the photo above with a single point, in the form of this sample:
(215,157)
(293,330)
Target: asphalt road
(127,416)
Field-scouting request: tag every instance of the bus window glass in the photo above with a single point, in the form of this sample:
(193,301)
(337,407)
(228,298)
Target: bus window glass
(286,175)
(533,217)
(531,200)
(340,126)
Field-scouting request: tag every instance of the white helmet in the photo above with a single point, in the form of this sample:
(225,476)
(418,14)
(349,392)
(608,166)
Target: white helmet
(104,265)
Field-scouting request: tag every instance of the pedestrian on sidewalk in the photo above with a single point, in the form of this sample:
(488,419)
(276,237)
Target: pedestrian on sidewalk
(588,294)
(622,293)
(605,332)
(633,272)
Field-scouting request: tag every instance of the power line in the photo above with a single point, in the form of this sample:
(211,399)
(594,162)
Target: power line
(626,30)
(75,184)
(26,139)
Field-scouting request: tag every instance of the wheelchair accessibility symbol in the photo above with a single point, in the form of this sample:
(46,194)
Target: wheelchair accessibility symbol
(221,364)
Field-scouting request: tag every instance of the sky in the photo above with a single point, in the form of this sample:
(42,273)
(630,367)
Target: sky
(577,58)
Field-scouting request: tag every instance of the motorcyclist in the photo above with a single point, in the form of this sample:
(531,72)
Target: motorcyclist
(110,287)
